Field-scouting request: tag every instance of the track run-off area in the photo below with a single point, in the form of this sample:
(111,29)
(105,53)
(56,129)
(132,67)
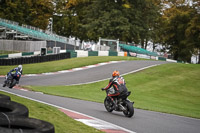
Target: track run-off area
(142,122)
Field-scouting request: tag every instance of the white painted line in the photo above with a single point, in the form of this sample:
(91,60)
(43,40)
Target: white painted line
(102,64)
(30,75)
(77,69)
(38,92)
(101,121)
(47,73)
(64,71)
(115,61)
(91,66)
(140,69)
(97,124)
(23,89)
(109,78)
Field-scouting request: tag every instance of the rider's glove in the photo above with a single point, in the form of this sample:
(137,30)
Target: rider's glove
(102,89)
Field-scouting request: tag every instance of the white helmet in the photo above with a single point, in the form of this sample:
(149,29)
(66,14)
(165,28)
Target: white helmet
(20,67)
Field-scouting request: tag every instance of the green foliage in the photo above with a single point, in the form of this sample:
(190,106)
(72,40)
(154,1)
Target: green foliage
(181,30)
(122,19)
(32,12)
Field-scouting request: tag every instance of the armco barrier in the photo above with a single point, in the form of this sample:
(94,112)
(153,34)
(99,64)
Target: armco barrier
(34,59)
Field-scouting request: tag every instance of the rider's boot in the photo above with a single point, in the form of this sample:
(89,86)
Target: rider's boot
(114,104)
(4,85)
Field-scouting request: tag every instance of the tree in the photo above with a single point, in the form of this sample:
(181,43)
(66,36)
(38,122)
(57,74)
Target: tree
(31,12)
(116,19)
(180,23)
(192,33)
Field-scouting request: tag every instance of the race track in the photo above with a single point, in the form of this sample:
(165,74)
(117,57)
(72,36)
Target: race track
(142,122)
(87,75)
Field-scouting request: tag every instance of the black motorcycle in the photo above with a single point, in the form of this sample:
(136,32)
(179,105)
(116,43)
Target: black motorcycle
(122,103)
(11,80)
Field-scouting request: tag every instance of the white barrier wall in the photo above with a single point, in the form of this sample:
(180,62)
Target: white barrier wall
(153,57)
(103,53)
(37,52)
(81,53)
(120,53)
(143,56)
(62,51)
(170,60)
(157,58)
(15,55)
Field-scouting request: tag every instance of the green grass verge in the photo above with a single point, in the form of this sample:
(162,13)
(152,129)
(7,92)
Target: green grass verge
(7,52)
(65,64)
(171,88)
(61,122)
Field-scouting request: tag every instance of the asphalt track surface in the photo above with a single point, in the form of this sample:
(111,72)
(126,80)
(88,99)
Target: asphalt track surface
(87,75)
(142,122)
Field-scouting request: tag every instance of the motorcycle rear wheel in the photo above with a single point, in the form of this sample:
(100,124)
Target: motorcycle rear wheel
(129,112)
(108,104)
(13,83)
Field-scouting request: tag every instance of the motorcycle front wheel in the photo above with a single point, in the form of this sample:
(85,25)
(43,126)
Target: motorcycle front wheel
(129,109)
(108,104)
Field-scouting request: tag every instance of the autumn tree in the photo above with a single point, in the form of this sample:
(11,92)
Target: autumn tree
(180,30)
(32,12)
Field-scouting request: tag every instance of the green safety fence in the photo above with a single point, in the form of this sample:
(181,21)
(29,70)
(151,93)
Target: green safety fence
(27,53)
(113,53)
(49,52)
(92,53)
(73,54)
(3,56)
(162,58)
(178,61)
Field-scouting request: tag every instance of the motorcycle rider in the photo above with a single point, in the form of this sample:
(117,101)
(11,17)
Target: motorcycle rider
(17,75)
(119,86)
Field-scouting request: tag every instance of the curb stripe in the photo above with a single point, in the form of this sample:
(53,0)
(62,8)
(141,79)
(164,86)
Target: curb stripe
(74,115)
(113,131)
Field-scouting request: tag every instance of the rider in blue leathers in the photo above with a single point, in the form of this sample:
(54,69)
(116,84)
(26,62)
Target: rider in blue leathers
(16,75)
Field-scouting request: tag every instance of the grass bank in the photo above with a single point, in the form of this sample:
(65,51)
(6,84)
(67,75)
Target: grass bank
(65,64)
(7,52)
(61,122)
(170,88)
